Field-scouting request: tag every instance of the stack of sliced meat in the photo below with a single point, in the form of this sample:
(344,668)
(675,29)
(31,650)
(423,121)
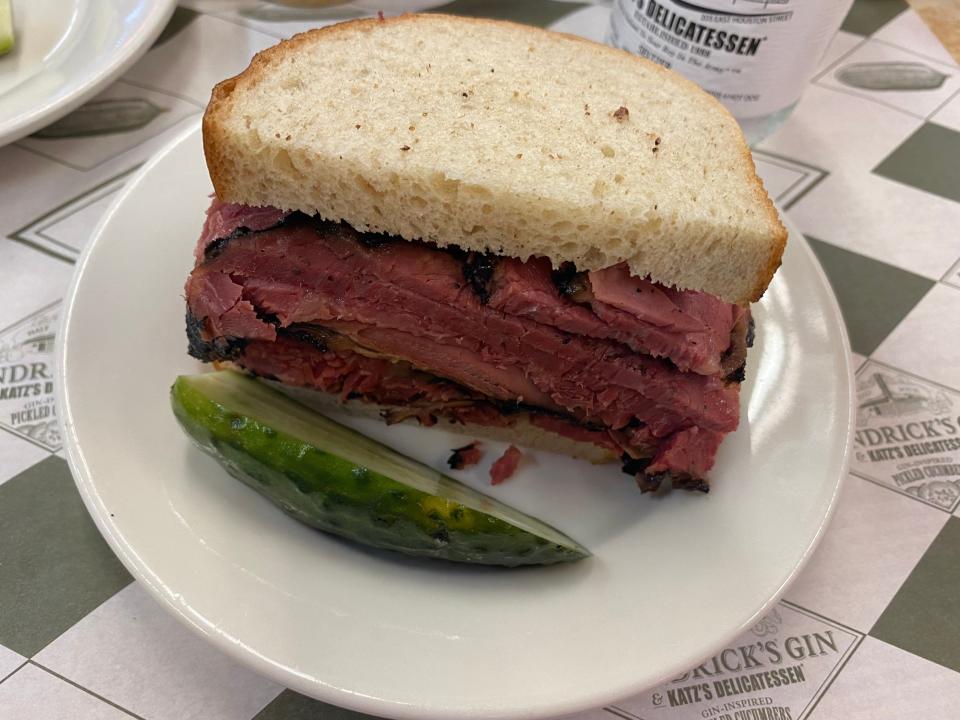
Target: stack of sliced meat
(648,373)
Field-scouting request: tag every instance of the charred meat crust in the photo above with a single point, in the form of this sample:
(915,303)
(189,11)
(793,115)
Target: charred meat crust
(313,335)
(478,271)
(465,456)
(677,481)
(570,282)
(220,348)
(687,482)
(738,375)
(652,482)
(634,466)
(217,247)
(375,240)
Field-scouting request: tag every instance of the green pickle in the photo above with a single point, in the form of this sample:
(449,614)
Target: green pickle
(337,480)
(6,27)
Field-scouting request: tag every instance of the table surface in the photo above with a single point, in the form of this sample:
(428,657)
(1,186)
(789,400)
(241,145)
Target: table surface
(872,178)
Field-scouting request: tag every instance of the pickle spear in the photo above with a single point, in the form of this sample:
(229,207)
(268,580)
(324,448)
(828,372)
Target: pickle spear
(6,27)
(337,480)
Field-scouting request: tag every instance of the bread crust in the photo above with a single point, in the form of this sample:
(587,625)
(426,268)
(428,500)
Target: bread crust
(221,168)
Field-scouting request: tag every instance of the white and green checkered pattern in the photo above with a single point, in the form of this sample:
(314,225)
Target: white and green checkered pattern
(872,627)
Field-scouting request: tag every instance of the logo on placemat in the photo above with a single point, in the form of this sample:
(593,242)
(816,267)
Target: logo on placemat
(776,671)
(908,435)
(27,406)
(769,624)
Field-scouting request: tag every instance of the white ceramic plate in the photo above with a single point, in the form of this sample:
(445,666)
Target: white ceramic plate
(672,579)
(66,52)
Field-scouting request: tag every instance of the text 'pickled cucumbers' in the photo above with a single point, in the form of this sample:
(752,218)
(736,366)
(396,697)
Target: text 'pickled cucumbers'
(335,479)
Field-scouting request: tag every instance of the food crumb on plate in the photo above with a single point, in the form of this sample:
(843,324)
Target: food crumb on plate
(464,457)
(505,466)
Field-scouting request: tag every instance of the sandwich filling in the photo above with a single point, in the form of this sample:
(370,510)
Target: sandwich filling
(648,373)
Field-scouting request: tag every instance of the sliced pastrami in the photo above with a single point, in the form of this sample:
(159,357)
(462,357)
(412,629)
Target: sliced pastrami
(406,393)
(218,301)
(411,301)
(692,330)
(602,357)
(224,220)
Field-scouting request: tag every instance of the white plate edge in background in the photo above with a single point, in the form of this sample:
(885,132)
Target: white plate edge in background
(83,88)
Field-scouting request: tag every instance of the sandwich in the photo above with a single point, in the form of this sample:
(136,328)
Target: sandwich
(490,228)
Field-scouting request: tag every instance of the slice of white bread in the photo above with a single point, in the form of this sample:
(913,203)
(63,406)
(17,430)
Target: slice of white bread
(501,137)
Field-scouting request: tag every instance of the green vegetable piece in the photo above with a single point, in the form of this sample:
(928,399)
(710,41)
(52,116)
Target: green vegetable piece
(6,27)
(340,481)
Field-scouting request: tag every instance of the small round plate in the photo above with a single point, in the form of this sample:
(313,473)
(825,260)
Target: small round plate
(66,51)
(672,578)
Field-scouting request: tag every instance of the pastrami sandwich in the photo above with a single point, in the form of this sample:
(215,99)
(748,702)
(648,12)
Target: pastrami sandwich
(499,229)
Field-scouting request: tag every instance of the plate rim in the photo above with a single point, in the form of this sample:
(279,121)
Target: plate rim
(19,126)
(235,648)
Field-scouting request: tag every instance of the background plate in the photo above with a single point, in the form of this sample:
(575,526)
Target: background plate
(672,579)
(66,52)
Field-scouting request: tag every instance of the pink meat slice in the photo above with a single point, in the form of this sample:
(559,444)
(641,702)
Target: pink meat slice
(407,299)
(629,365)
(691,329)
(216,298)
(223,219)
(505,466)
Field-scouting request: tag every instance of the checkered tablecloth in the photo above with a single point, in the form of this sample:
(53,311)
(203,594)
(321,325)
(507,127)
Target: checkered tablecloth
(872,627)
